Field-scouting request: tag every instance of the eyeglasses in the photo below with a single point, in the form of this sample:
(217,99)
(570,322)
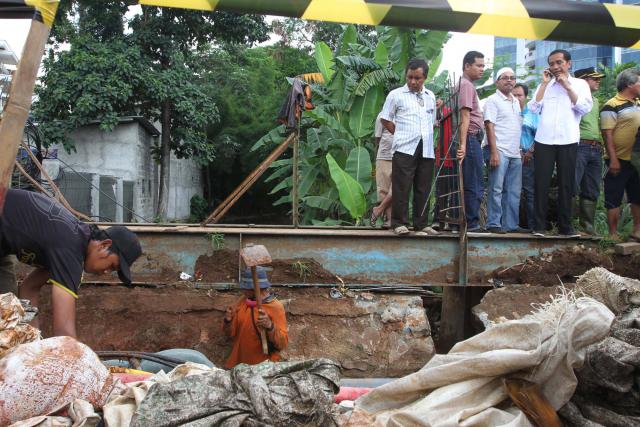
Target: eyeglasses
(512,78)
(420,98)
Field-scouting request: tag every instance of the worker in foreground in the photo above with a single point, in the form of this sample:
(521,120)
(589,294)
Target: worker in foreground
(242,323)
(40,232)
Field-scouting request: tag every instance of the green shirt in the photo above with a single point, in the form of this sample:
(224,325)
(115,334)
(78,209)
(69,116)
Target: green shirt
(590,123)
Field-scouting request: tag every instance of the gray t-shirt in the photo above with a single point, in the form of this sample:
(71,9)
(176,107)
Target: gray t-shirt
(386,139)
(43,233)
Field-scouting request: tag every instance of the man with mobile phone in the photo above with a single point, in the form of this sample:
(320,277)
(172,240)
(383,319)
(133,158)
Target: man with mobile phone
(560,100)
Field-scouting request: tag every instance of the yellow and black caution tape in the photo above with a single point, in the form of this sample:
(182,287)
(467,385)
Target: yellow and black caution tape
(563,20)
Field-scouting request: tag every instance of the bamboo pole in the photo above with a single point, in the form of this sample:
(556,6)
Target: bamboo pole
(56,191)
(17,108)
(223,207)
(32,181)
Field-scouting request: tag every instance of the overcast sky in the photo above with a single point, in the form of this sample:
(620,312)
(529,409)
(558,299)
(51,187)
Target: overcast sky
(14,31)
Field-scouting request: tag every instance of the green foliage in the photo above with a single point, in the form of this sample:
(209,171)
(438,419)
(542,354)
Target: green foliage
(216,240)
(198,208)
(324,60)
(608,83)
(358,75)
(302,269)
(153,69)
(350,190)
(91,82)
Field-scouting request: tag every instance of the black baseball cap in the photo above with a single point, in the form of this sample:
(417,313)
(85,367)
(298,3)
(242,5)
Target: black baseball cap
(585,73)
(127,245)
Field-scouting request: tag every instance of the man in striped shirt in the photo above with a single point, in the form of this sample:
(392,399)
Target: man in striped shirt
(409,114)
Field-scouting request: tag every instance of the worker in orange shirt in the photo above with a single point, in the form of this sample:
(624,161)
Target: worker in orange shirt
(243,320)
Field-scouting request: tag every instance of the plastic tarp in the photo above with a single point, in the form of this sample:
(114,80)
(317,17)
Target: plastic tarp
(268,394)
(464,387)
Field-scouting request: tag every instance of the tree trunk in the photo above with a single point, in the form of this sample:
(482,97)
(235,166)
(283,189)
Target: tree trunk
(165,163)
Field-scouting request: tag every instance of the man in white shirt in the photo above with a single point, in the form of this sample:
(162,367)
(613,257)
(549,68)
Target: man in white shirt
(503,123)
(409,114)
(561,100)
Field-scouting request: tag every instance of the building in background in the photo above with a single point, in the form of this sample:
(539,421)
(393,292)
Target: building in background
(8,62)
(529,57)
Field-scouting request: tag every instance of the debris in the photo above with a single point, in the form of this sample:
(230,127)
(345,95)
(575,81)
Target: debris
(616,292)
(185,276)
(13,327)
(465,386)
(44,375)
(627,248)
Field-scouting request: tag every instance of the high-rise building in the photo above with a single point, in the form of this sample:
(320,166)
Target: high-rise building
(529,57)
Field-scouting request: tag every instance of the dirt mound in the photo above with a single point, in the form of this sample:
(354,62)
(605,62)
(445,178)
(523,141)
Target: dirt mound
(222,267)
(566,264)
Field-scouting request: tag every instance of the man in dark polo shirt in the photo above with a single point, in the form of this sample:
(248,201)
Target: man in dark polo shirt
(471,136)
(40,232)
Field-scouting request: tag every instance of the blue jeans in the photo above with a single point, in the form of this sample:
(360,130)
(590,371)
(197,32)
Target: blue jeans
(528,179)
(503,199)
(473,180)
(588,171)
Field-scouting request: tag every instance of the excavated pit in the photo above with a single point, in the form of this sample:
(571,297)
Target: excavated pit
(370,335)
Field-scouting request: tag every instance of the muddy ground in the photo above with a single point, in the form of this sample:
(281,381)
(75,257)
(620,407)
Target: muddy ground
(565,265)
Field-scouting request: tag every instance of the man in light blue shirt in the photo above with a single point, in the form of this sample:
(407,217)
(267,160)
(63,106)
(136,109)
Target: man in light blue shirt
(409,114)
(529,127)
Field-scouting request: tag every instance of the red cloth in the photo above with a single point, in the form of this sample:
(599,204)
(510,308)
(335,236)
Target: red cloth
(446,129)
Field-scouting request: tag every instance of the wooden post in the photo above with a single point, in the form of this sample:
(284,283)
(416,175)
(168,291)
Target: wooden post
(16,111)
(294,192)
(222,209)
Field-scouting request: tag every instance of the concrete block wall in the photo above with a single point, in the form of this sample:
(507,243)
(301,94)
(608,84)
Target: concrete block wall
(125,155)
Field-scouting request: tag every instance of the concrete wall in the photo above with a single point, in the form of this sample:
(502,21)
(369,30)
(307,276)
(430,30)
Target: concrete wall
(123,159)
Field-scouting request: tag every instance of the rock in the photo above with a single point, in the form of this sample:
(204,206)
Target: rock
(512,302)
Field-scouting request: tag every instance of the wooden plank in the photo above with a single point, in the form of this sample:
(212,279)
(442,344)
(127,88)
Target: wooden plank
(627,248)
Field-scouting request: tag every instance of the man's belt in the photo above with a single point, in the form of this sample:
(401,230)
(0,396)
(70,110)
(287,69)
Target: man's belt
(589,142)
(479,134)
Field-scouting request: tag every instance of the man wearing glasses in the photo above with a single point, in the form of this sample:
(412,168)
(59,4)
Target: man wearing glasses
(409,115)
(504,125)
(589,157)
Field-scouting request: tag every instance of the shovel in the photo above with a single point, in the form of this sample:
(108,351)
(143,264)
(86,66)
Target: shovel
(254,255)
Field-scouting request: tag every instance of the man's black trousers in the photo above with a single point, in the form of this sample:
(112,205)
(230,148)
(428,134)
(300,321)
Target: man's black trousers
(563,158)
(407,171)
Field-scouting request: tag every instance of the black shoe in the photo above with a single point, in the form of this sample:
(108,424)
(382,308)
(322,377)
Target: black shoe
(475,229)
(519,230)
(570,233)
(496,230)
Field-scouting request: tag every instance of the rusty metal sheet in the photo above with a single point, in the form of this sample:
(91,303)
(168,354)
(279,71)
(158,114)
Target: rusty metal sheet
(367,255)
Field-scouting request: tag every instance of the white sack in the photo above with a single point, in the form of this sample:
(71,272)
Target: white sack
(464,387)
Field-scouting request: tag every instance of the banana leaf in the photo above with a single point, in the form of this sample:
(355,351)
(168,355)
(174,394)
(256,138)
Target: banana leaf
(350,191)
(359,167)
(324,60)
(364,111)
(382,55)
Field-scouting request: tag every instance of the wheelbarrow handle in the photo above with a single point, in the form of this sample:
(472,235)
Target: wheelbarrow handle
(256,291)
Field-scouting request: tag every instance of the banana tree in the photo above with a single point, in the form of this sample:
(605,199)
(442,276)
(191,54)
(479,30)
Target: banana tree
(336,140)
